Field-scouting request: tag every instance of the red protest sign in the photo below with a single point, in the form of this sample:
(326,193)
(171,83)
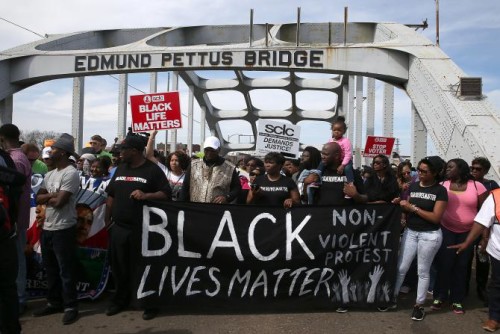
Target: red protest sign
(158,111)
(378,145)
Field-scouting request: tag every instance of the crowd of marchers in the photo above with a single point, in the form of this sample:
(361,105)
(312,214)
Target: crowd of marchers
(449,212)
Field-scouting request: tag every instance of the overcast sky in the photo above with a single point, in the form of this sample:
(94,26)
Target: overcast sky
(469,33)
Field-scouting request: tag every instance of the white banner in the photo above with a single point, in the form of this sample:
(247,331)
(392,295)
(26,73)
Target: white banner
(278,137)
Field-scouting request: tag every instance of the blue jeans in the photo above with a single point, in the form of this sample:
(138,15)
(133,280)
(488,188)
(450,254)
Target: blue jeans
(60,260)
(424,245)
(21,274)
(451,276)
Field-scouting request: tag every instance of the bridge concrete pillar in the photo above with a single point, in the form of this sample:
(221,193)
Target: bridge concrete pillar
(370,107)
(370,113)
(190,119)
(350,109)
(203,118)
(388,110)
(77,112)
(6,108)
(122,105)
(419,131)
(344,107)
(359,121)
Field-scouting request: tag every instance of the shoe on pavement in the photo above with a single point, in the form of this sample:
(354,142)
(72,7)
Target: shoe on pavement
(491,325)
(150,313)
(47,310)
(418,313)
(22,309)
(390,307)
(113,309)
(457,308)
(341,309)
(436,305)
(70,316)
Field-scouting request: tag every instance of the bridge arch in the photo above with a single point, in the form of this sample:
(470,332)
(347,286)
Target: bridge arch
(389,52)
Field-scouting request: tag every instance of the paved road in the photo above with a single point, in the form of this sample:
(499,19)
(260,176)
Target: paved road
(94,321)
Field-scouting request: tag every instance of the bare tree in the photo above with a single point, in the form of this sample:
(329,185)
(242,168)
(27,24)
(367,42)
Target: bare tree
(38,137)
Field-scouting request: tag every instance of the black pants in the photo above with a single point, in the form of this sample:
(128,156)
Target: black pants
(494,290)
(60,260)
(482,270)
(9,303)
(451,268)
(124,247)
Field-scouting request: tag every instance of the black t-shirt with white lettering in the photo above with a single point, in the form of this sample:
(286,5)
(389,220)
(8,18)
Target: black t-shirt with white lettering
(274,192)
(425,198)
(331,191)
(148,177)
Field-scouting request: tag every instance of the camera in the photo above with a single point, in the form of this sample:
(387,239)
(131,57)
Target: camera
(254,186)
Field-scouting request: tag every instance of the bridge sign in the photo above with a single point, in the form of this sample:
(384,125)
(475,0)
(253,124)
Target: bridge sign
(378,145)
(158,111)
(278,137)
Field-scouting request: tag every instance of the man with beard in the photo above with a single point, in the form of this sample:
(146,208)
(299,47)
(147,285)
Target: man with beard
(58,241)
(211,179)
(135,181)
(334,186)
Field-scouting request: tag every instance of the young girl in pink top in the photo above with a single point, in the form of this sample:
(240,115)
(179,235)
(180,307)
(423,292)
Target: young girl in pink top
(339,129)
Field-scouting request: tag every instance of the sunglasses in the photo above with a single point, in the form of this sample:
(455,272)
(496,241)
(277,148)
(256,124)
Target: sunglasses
(377,162)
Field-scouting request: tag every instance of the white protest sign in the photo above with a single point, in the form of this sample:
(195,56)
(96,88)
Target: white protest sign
(279,137)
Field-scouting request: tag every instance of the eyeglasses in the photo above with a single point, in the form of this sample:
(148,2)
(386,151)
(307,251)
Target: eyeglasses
(423,171)
(479,169)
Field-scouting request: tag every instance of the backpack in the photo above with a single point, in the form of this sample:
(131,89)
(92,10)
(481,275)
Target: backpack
(11,187)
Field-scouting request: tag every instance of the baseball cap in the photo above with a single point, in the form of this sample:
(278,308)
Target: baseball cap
(88,156)
(136,142)
(212,142)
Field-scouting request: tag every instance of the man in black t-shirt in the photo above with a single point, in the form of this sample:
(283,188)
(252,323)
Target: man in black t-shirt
(334,187)
(136,180)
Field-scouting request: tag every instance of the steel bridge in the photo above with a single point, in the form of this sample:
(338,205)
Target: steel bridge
(393,53)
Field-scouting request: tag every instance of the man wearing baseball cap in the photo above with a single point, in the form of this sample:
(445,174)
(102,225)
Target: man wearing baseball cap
(58,240)
(135,181)
(211,179)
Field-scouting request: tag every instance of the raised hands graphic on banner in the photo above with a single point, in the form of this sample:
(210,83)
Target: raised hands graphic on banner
(352,288)
(344,282)
(336,292)
(374,278)
(386,290)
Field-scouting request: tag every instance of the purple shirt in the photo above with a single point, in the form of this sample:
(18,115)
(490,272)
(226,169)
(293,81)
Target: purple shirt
(23,166)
